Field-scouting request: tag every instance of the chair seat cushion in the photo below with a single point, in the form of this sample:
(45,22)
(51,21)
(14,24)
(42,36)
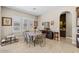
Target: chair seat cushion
(3,40)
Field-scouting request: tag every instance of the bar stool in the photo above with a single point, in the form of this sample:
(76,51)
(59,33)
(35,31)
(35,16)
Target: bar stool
(56,36)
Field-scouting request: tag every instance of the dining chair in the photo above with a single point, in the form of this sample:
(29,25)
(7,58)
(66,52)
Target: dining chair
(43,40)
(25,37)
(40,39)
(29,39)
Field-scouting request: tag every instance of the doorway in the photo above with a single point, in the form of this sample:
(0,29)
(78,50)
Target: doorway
(66,25)
(63,25)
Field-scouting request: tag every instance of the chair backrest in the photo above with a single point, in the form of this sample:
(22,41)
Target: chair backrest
(28,37)
(25,34)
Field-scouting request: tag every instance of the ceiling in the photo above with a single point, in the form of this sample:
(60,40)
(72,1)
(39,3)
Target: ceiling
(33,10)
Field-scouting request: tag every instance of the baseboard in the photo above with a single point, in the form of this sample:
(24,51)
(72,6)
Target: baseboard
(69,38)
(74,42)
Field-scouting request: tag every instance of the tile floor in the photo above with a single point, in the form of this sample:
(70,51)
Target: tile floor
(52,46)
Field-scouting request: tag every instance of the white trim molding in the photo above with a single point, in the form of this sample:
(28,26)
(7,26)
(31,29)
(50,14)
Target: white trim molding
(69,38)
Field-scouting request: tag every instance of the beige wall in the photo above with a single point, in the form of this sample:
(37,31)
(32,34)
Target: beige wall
(68,25)
(11,13)
(54,15)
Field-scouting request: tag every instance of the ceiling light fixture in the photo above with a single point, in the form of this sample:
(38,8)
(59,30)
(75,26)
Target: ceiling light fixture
(34,8)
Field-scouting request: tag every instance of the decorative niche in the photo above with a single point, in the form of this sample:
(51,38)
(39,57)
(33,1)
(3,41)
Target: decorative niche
(43,23)
(52,22)
(35,24)
(46,25)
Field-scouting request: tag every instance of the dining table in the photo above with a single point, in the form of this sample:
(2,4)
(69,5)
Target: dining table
(33,36)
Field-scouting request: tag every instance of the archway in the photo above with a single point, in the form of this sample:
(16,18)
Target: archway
(65,25)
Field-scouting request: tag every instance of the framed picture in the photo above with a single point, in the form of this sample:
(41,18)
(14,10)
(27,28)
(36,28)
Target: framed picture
(6,21)
(35,23)
(42,23)
(77,22)
(77,11)
(52,22)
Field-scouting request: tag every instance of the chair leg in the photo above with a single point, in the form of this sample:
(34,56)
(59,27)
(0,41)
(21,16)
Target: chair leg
(34,43)
(25,40)
(29,42)
(43,42)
